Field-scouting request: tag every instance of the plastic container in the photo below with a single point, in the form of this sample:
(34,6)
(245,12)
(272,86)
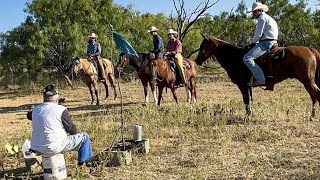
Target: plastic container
(54,167)
(25,150)
(137,132)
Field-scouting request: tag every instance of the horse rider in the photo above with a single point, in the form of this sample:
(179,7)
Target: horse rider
(157,42)
(174,48)
(93,53)
(265,36)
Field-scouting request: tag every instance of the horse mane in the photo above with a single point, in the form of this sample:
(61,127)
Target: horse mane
(226,49)
(224,43)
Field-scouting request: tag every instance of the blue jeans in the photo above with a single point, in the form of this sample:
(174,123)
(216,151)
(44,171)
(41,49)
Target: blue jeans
(253,54)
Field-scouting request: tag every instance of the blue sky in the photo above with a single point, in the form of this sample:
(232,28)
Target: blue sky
(12,13)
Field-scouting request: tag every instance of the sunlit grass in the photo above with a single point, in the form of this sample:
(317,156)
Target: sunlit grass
(207,140)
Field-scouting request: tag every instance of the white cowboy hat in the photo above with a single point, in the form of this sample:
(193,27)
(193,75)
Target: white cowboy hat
(171,31)
(153,29)
(259,6)
(92,35)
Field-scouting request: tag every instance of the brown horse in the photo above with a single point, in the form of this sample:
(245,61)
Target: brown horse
(142,66)
(301,63)
(164,75)
(89,76)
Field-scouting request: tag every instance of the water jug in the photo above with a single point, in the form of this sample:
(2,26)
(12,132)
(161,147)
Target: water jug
(54,167)
(137,132)
(25,150)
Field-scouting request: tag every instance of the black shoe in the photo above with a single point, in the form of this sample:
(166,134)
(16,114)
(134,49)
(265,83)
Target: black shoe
(253,83)
(81,163)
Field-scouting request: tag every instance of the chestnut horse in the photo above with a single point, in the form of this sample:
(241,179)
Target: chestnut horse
(142,66)
(89,76)
(164,76)
(301,63)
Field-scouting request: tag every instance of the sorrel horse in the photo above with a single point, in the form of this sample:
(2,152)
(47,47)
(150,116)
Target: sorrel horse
(301,63)
(89,76)
(165,76)
(142,66)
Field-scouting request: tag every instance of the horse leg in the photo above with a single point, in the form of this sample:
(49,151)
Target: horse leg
(96,92)
(113,83)
(188,93)
(245,96)
(145,92)
(106,88)
(173,90)
(160,89)
(193,89)
(154,93)
(314,93)
(91,92)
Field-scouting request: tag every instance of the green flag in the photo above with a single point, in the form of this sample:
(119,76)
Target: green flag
(122,44)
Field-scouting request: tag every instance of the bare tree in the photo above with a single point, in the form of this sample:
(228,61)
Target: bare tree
(185,19)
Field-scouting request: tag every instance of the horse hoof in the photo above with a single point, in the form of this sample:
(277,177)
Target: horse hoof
(144,104)
(311,118)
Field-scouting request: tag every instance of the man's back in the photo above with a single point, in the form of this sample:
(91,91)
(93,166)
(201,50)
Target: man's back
(48,133)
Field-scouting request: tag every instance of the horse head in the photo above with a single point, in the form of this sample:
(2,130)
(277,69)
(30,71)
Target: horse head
(76,67)
(123,60)
(205,50)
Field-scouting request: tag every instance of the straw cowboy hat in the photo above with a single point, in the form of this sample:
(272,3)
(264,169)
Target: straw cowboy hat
(92,35)
(153,29)
(259,6)
(171,31)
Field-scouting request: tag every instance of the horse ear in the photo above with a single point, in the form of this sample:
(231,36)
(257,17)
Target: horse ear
(204,36)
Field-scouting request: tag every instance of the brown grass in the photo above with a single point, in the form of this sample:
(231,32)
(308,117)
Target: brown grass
(206,140)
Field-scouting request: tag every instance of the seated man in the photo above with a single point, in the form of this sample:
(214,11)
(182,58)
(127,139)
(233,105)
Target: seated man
(174,48)
(94,52)
(157,42)
(53,131)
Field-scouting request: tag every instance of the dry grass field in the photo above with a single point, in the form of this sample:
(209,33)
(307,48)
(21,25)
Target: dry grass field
(206,140)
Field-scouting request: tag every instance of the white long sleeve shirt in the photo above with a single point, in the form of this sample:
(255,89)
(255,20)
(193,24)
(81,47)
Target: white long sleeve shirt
(48,132)
(266,28)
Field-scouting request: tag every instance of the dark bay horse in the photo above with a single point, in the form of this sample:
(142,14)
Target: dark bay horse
(301,63)
(142,66)
(89,76)
(164,76)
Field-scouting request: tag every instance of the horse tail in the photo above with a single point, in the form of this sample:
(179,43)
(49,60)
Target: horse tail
(317,55)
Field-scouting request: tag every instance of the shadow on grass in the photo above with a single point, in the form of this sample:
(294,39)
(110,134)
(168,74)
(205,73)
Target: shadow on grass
(24,107)
(19,173)
(236,119)
(99,107)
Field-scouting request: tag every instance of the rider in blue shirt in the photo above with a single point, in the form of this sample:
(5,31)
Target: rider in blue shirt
(157,43)
(94,52)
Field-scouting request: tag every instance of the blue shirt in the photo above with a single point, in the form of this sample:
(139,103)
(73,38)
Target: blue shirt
(157,44)
(94,48)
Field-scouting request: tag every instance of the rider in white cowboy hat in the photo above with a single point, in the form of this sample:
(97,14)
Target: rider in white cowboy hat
(157,42)
(94,52)
(265,36)
(174,48)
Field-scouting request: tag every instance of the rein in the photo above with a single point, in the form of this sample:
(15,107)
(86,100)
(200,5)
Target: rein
(86,71)
(143,65)
(156,77)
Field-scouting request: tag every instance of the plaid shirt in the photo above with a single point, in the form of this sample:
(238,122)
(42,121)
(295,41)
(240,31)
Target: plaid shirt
(174,47)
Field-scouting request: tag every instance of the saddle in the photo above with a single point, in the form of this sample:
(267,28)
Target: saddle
(171,60)
(267,62)
(174,68)
(97,65)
